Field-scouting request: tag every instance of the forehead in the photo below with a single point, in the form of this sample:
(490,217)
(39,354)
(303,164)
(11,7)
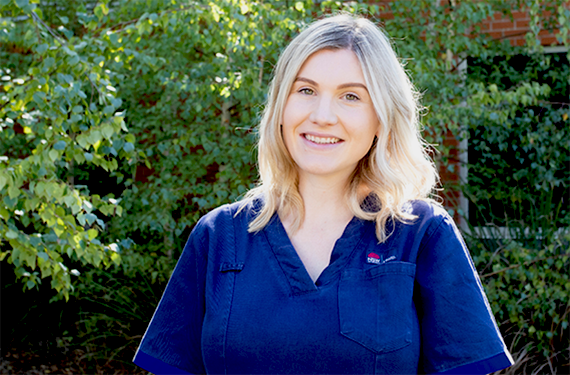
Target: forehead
(332,65)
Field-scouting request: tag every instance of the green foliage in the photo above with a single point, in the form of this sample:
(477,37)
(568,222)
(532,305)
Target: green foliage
(147,107)
(59,112)
(528,289)
(115,308)
(194,97)
(519,146)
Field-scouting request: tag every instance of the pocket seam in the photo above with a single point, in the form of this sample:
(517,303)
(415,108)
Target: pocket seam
(358,333)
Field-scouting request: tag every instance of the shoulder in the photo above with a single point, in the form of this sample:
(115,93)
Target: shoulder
(435,226)
(426,212)
(430,222)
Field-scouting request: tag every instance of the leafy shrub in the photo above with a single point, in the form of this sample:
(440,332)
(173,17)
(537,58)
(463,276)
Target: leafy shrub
(115,308)
(529,290)
(517,187)
(519,152)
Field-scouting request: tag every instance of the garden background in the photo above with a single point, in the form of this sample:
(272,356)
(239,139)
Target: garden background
(122,122)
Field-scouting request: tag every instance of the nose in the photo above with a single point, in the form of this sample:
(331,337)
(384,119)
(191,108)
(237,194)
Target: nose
(324,112)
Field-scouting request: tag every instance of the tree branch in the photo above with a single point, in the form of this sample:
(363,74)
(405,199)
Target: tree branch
(524,264)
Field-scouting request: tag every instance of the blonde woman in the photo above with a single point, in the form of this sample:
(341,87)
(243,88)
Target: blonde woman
(337,263)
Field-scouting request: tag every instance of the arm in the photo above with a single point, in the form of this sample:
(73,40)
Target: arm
(458,330)
(171,344)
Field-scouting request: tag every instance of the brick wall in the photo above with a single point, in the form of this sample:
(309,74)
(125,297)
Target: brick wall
(515,30)
(497,26)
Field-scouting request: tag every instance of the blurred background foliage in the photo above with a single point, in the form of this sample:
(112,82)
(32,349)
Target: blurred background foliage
(122,122)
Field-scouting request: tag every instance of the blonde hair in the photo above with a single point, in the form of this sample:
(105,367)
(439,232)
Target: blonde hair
(397,168)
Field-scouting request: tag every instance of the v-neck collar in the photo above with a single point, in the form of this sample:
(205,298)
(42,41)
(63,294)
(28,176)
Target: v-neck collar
(293,266)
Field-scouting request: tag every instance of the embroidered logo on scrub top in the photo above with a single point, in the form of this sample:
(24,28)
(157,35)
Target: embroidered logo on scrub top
(374,258)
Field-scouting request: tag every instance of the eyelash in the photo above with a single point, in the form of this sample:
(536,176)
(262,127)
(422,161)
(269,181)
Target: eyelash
(308,91)
(355,97)
(305,89)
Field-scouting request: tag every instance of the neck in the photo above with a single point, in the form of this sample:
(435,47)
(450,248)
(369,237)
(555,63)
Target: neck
(324,198)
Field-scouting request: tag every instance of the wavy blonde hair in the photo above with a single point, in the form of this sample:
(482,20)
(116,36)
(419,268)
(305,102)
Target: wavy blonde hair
(397,168)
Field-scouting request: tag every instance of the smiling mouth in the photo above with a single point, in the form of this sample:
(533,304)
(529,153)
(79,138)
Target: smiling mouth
(321,140)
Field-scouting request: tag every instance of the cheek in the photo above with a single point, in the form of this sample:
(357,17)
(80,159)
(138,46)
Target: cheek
(290,113)
(291,118)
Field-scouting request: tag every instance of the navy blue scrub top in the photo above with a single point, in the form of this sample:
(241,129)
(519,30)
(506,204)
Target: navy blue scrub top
(243,303)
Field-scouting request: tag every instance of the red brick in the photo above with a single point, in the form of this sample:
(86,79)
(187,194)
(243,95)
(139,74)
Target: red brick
(496,34)
(502,25)
(518,15)
(514,33)
(386,15)
(498,16)
(518,42)
(548,40)
(544,32)
(522,24)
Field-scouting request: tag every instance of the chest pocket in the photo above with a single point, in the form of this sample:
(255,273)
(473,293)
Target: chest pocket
(375,306)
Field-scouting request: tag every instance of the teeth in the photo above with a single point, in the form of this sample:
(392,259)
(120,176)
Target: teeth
(321,140)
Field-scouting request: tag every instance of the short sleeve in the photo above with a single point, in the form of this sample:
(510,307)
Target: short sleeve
(171,344)
(459,333)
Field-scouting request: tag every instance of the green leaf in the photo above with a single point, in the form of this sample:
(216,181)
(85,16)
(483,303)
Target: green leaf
(42,48)
(13,192)
(130,138)
(53,155)
(59,146)
(128,147)
(109,110)
(39,97)
(114,38)
(92,234)
(3,181)
(81,218)
(94,137)
(99,12)
(73,60)
(48,63)
(22,3)
(107,131)
(90,218)
(11,234)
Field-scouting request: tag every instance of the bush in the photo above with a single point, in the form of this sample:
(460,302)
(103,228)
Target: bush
(528,289)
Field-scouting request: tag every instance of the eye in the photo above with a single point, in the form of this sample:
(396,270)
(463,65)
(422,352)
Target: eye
(306,91)
(351,97)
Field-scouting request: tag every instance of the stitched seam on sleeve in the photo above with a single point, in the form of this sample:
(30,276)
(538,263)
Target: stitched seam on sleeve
(430,235)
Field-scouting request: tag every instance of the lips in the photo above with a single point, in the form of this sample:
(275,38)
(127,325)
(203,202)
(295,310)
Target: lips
(321,140)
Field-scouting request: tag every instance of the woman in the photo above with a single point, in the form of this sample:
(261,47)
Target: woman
(338,262)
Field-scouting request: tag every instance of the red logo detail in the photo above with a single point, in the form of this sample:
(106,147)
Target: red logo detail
(374,255)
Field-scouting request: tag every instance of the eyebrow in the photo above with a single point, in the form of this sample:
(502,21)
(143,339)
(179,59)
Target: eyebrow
(341,86)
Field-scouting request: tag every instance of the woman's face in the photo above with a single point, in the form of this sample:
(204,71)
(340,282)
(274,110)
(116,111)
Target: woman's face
(329,122)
